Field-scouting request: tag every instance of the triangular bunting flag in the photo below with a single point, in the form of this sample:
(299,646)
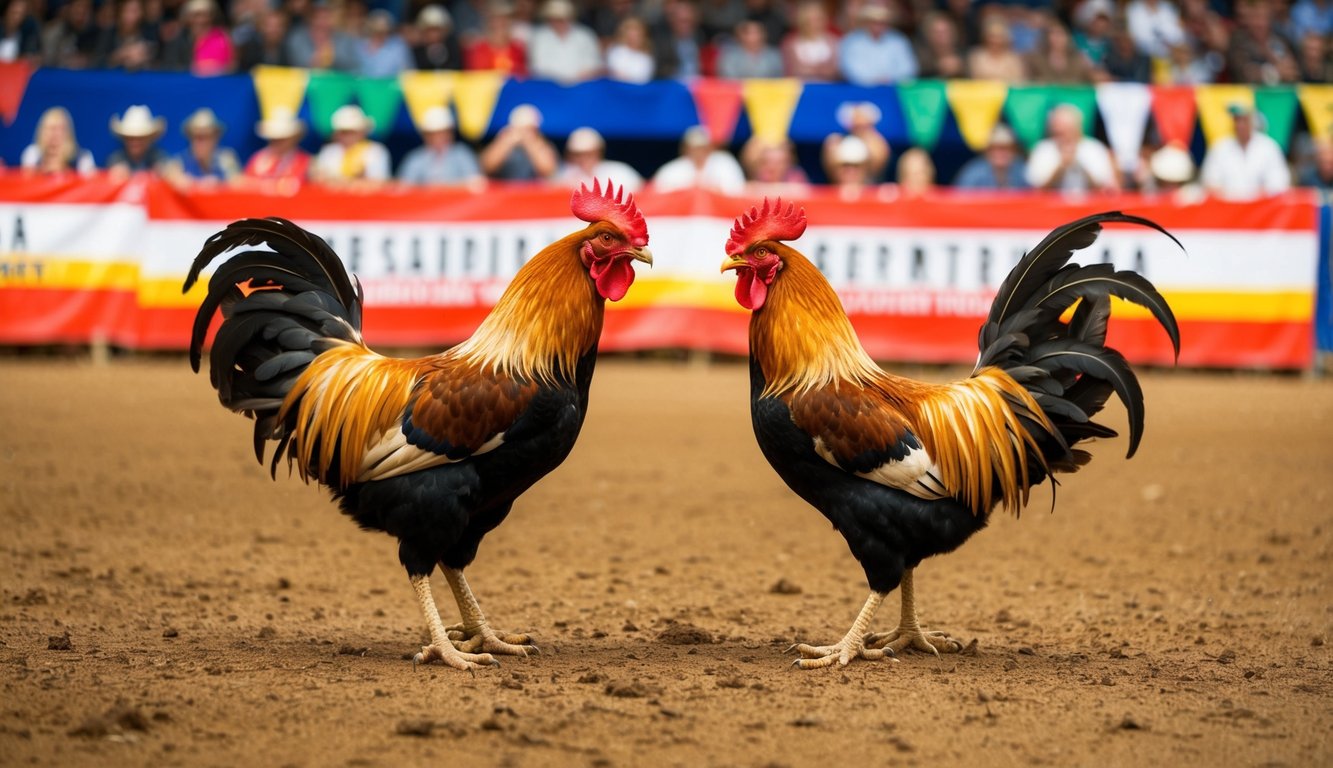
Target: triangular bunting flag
(1125,108)
(279,88)
(14,76)
(1174,109)
(718,103)
(925,107)
(327,92)
(1213,102)
(976,108)
(475,94)
(380,98)
(770,105)
(1081,96)
(1025,109)
(423,90)
(1317,103)
(1278,106)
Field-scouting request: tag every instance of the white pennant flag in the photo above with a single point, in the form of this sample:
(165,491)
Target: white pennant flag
(1125,108)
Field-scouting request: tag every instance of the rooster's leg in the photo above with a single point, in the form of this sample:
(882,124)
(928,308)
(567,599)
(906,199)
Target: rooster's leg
(851,646)
(474,633)
(909,634)
(440,649)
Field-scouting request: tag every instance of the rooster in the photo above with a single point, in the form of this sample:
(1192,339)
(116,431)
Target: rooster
(906,469)
(433,450)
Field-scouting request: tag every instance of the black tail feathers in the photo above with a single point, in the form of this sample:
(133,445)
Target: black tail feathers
(1067,366)
(280,308)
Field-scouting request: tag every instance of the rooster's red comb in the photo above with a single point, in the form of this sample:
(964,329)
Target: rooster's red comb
(614,206)
(767,223)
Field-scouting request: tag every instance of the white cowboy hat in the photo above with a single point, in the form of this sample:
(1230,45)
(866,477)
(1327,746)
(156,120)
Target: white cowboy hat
(696,136)
(584,140)
(352,118)
(137,122)
(203,120)
(434,16)
(436,119)
(280,124)
(852,151)
(1172,164)
(525,116)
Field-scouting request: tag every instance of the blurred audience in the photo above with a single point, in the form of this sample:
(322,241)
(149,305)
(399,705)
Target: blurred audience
(352,158)
(138,130)
(437,46)
(381,51)
(202,46)
(630,58)
(1000,166)
(995,58)
(1069,161)
(1172,175)
(939,51)
(1057,59)
(281,163)
(319,44)
(498,49)
(585,161)
(771,168)
(1154,26)
(70,40)
(20,34)
(749,54)
(55,149)
(203,162)
(440,160)
(859,119)
(1123,61)
(1312,17)
(916,174)
(1315,62)
(268,45)
(1317,170)
(850,174)
(679,42)
(810,50)
(519,152)
(131,43)
(1246,165)
(701,165)
(875,53)
(562,49)
(1259,54)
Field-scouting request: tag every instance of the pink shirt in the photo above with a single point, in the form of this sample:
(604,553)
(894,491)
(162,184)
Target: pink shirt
(212,53)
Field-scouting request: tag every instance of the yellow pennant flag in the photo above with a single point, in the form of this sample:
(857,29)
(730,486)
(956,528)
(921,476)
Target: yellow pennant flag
(1213,102)
(1317,101)
(475,94)
(770,105)
(976,106)
(423,90)
(279,88)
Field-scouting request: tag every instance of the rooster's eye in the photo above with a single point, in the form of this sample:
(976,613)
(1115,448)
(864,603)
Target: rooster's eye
(606,238)
(760,252)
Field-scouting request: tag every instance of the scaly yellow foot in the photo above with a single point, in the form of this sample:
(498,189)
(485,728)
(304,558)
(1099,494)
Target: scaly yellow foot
(851,646)
(909,634)
(440,648)
(483,638)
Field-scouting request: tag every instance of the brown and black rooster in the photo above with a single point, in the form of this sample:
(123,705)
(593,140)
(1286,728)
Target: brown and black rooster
(906,469)
(433,450)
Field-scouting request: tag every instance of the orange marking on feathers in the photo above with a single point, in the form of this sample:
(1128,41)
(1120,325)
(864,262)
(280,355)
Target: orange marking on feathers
(249,287)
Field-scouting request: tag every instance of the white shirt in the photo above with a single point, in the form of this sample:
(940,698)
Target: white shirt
(1257,169)
(619,173)
(565,59)
(631,66)
(1154,29)
(721,173)
(329,162)
(1092,169)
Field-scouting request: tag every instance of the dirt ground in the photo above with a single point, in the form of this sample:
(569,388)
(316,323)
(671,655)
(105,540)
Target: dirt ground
(165,603)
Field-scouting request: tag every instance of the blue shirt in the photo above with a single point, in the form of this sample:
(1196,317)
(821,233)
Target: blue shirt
(388,60)
(869,61)
(1309,16)
(454,165)
(979,174)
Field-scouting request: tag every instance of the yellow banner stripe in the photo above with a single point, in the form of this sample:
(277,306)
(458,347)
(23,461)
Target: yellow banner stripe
(19,271)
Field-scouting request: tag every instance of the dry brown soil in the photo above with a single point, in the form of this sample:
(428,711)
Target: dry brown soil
(165,603)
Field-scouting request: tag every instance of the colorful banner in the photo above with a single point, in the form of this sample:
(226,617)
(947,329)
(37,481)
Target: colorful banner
(770,104)
(1317,103)
(425,90)
(279,89)
(925,106)
(1174,109)
(718,103)
(1125,108)
(475,94)
(14,76)
(103,261)
(1213,103)
(976,107)
(1278,106)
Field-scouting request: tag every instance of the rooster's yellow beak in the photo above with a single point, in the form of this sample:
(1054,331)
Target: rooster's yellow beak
(642,254)
(732,262)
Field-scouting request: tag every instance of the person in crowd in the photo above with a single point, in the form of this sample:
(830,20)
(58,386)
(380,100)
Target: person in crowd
(1093,21)
(1001,166)
(202,46)
(1246,165)
(20,34)
(437,46)
(1057,59)
(498,49)
(1186,67)
(678,42)
(701,165)
(770,165)
(1315,63)
(916,174)
(605,18)
(585,160)
(748,54)
(382,51)
(268,46)
(131,43)
(352,158)
(875,53)
(319,44)
(1171,174)
(1258,53)
(1312,17)
(562,49)
(55,149)
(1069,161)
(630,58)
(519,152)
(1317,170)
(281,164)
(718,18)
(859,119)
(70,42)
(244,17)
(995,58)
(203,162)
(441,160)
(939,51)
(772,15)
(1154,26)
(810,50)
(138,131)
(1125,62)
(850,175)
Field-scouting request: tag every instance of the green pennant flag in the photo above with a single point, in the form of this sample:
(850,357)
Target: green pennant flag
(925,106)
(1082,96)
(380,98)
(1278,106)
(1025,109)
(326,92)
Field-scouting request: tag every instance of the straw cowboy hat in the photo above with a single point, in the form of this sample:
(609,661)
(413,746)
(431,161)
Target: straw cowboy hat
(203,120)
(137,122)
(281,124)
(437,119)
(352,118)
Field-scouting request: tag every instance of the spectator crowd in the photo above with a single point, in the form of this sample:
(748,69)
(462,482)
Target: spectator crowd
(863,42)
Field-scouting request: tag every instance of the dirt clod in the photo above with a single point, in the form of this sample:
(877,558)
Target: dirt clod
(784,587)
(121,717)
(59,643)
(684,634)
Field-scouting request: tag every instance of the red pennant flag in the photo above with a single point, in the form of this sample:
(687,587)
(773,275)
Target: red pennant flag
(719,105)
(1174,108)
(13,82)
